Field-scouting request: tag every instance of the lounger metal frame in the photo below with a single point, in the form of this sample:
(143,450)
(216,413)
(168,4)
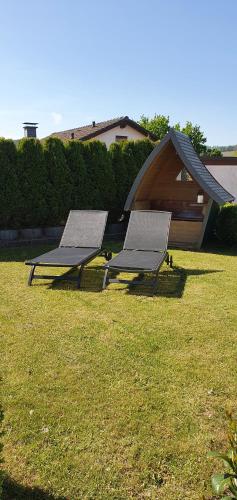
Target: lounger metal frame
(153,282)
(80,266)
(60,277)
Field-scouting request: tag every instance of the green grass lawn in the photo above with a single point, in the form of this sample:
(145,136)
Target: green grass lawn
(117,394)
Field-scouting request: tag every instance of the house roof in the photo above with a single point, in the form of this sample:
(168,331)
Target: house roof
(192,163)
(225,160)
(225,173)
(90,131)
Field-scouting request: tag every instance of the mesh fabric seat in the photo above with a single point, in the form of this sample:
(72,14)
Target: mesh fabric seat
(68,256)
(80,243)
(137,260)
(145,246)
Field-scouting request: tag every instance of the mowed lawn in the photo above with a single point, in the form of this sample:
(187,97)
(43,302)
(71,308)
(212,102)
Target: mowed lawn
(117,394)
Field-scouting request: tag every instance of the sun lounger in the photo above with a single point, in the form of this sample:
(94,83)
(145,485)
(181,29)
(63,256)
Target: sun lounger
(80,243)
(145,248)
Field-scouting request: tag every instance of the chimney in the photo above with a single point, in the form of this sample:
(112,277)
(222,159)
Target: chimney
(30,129)
(93,124)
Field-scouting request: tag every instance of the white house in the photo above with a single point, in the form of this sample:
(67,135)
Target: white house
(116,130)
(225,172)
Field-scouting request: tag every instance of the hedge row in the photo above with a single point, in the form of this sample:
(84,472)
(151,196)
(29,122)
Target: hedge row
(41,182)
(226,224)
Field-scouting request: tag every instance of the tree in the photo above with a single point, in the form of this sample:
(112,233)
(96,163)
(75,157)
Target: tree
(9,189)
(78,174)
(60,187)
(213,153)
(158,125)
(142,150)
(32,179)
(196,136)
(101,182)
(120,174)
(129,158)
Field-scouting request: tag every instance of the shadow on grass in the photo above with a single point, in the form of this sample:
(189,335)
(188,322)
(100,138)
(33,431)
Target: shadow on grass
(171,282)
(14,491)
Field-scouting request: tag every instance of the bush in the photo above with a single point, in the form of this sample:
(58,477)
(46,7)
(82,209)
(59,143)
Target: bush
(120,175)
(2,475)
(226,224)
(130,161)
(32,179)
(78,174)
(9,189)
(59,183)
(100,177)
(39,184)
(142,150)
(225,484)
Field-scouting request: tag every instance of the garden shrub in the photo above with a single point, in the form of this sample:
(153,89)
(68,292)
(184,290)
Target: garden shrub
(120,175)
(226,224)
(225,484)
(9,189)
(127,159)
(59,182)
(2,475)
(41,181)
(141,151)
(78,174)
(130,161)
(32,179)
(100,176)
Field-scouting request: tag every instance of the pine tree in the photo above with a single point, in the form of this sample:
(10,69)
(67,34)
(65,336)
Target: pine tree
(120,174)
(78,174)
(9,189)
(33,179)
(60,186)
(101,182)
(128,149)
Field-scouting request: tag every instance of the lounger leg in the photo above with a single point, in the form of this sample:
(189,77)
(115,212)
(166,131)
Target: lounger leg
(105,279)
(155,282)
(79,276)
(31,275)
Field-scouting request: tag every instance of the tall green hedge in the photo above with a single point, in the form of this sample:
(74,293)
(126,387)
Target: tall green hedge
(59,188)
(9,190)
(2,475)
(33,182)
(226,224)
(41,182)
(120,175)
(78,174)
(130,161)
(100,178)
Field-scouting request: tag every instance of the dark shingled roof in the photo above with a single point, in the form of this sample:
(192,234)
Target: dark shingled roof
(90,131)
(192,163)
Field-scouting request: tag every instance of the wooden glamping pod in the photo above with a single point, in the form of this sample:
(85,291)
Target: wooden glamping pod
(173,178)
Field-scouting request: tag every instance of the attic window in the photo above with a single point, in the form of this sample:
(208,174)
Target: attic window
(184,176)
(120,138)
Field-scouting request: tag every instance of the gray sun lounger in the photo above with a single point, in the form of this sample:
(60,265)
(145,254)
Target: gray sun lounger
(145,247)
(80,243)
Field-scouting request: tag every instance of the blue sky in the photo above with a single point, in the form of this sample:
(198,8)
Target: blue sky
(65,63)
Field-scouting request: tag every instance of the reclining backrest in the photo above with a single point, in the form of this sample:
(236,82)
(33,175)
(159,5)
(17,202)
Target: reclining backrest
(84,228)
(148,230)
